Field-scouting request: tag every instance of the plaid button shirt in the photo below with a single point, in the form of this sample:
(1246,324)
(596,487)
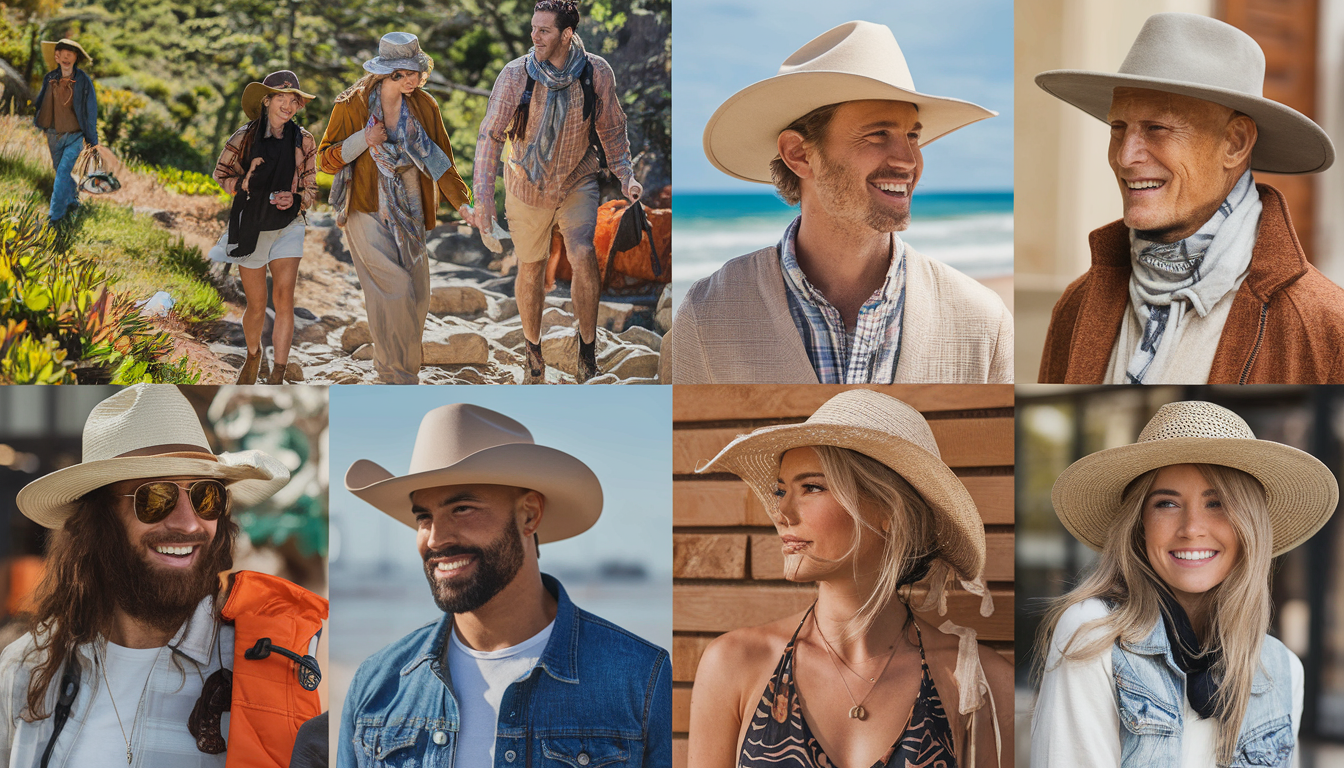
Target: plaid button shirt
(869,356)
(229,169)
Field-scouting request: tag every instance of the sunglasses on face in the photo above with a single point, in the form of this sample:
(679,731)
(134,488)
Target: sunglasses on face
(155,500)
(402,74)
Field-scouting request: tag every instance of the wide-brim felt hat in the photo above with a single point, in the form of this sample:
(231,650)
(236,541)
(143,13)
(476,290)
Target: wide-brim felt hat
(463,444)
(146,431)
(883,428)
(1207,59)
(856,61)
(283,81)
(49,52)
(1300,491)
(399,50)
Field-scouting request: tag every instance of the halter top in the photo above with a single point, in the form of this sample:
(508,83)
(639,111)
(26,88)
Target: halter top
(779,737)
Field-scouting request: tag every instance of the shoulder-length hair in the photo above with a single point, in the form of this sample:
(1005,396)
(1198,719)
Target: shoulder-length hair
(1238,609)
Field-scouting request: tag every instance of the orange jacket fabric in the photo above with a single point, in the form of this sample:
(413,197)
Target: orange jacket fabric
(637,261)
(268,703)
(1286,325)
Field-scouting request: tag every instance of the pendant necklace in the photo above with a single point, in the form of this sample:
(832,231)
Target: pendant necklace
(103,668)
(857,712)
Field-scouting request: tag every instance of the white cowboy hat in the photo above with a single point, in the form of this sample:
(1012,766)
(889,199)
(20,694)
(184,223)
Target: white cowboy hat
(399,50)
(856,61)
(885,429)
(144,431)
(464,444)
(1301,491)
(1207,59)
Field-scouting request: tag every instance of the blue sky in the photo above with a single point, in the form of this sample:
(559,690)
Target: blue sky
(957,48)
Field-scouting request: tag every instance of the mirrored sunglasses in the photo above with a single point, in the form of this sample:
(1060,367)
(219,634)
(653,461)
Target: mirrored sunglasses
(155,500)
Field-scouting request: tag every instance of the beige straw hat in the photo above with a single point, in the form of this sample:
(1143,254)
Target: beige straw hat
(855,61)
(144,431)
(885,429)
(464,444)
(1300,490)
(1208,59)
(49,52)
(283,81)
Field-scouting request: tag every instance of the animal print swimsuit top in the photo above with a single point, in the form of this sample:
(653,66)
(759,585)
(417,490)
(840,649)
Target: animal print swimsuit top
(779,737)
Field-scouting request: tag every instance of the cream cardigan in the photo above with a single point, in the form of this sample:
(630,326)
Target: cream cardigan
(734,327)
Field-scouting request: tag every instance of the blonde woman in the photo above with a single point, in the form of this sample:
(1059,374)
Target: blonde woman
(388,147)
(865,508)
(1160,657)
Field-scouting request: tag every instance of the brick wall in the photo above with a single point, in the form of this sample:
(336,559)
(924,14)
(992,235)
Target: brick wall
(727,565)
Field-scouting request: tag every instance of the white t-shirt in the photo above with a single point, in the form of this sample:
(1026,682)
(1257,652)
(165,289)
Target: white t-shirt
(101,742)
(479,681)
(1075,725)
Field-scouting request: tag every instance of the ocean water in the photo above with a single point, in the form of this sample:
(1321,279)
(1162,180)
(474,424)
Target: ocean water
(971,231)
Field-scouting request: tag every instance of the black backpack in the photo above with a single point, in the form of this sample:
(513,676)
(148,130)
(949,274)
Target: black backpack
(519,125)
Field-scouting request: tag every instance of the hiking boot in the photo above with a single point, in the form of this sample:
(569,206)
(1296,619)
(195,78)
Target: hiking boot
(277,375)
(587,368)
(248,373)
(535,372)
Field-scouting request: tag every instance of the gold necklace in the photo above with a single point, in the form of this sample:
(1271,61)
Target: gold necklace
(103,668)
(856,712)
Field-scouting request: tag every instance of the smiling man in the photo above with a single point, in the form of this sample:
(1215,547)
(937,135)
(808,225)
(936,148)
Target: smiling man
(1204,279)
(513,673)
(134,642)
(842,299)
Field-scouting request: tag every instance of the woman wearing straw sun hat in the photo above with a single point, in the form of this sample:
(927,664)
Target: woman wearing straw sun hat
(270,166)
(1160,655)
(866,508)
(66,109)
(388,147)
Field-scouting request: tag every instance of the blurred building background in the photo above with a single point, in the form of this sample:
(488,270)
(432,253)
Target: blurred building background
(1057,425)
(1063,185)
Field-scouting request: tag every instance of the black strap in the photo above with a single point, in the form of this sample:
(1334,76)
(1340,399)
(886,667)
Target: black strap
(589,109)
(64,701)
(309,673)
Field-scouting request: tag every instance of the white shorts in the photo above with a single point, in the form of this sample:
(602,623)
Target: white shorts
(284,243)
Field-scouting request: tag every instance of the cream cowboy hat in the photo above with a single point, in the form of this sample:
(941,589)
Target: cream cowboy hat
(855,61)
(49,52)
(465,444)
(399,50)
(885,429)
(144,431)
(1300,490)
(1205,58)
(283,81)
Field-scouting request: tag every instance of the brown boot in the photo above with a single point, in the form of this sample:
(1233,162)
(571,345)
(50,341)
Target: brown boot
(277,375)
(587,368)
(535,372)
(248,373)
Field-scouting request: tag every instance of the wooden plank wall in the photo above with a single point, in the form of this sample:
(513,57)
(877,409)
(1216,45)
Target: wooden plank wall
(727,565)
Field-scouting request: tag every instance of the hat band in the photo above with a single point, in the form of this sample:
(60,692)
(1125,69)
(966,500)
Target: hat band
(195,451)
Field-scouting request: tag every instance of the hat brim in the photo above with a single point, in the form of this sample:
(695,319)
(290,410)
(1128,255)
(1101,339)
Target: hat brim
(741,137)
(252,477)
(961,532)
(1300,491)
(573,493)
(380,66)
(1287,140)
(254,93)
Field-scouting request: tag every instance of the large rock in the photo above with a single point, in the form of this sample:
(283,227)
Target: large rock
(456,347)
(457,248)
(312,333)
(662,320)
(355,336)
(639,364)
(614,316)
(363,353)
(665,299)
(457,300)
(554,317)
(293,372)
(502,308)
(638,334)
(560,348)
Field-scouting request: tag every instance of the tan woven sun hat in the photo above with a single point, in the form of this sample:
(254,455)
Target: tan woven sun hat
(1300,490)
(49,52)
(856,61)
(283,81)
(1207,59)
(145,431)
(463,444)
(885,429)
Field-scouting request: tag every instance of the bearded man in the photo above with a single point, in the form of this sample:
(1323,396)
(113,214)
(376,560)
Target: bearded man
(1204,280)
(842,299)
(134,646)
(513,673)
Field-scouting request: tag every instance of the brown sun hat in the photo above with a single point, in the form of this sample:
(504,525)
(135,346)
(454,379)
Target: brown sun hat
(1301,491)
(883,428)
(49,52)
(283,81)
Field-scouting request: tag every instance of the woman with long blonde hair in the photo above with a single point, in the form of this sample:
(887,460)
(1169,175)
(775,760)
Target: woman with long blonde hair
(865,508)
(1160,655)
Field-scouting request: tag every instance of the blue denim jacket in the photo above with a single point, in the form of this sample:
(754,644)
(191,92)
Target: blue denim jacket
(1150,691)
(599,696)
(85,103)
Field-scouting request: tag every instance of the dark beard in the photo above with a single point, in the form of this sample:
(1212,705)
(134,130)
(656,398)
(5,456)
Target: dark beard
(496,567)
(157,596)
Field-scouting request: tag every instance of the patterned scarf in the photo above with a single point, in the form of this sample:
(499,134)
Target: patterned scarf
(409,146)
(1194,273)
(542,148)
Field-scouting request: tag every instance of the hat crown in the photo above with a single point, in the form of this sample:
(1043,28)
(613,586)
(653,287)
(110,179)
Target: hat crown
(451,433)
(139,417)
(1195,418)
(282,79)
(398,45)
(874,410)
(1197,49)
(855,47)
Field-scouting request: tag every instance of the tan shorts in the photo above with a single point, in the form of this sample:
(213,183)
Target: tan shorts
(531,226)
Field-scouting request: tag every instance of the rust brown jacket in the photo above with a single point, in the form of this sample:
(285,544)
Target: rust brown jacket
(1286,325)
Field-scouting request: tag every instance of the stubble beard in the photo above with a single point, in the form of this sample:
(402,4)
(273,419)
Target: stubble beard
(850,199)
(496,567)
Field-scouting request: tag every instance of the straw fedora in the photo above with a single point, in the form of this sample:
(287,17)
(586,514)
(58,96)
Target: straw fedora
(49,52)
(1300,490)
(885,429)
(144,431)
(464,444)
(283,81)
(399,50)
(1205,58)
(855,61)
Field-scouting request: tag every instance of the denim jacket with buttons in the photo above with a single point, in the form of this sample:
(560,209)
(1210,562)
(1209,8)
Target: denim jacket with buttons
(598,696)
(1150,691)
(85,100)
